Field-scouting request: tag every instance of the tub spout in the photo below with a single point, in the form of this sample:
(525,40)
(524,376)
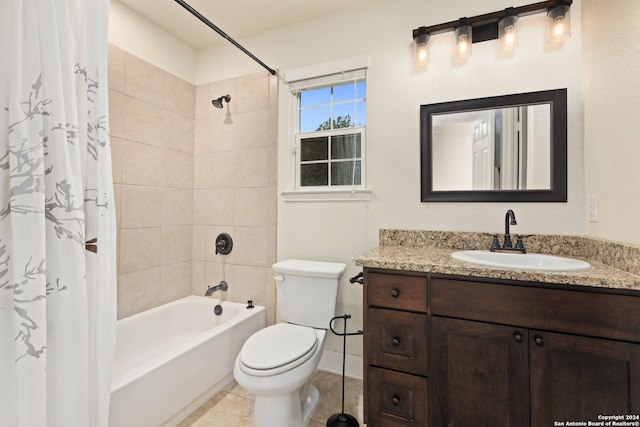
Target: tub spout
(223,286)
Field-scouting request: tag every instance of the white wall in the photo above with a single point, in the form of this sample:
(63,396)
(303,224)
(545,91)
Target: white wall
(611,111)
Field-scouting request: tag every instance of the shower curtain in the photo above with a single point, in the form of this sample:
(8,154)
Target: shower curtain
(57,220)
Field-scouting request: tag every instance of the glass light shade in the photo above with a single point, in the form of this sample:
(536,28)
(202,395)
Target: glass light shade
(508,33)
(463,41)
(421,49)
(559,23)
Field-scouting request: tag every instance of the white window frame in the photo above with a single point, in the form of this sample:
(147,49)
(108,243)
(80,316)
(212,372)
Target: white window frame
(313,77)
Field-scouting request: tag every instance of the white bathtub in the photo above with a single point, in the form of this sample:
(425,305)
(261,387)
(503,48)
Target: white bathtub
(171,359)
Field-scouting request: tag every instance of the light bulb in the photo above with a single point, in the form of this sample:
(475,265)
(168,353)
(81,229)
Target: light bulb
(509,38)
(463,46)
(558,28)
(423,55)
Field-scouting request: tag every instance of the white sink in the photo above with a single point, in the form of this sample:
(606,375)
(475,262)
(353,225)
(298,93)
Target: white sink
(537,262)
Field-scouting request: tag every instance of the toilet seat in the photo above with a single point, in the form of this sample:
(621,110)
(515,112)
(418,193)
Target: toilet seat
(277,349)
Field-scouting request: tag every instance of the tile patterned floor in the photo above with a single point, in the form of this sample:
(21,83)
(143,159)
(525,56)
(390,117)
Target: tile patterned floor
(233,407)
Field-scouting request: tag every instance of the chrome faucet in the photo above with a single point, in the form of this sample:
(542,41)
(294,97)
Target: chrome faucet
(223,286)
(507,246)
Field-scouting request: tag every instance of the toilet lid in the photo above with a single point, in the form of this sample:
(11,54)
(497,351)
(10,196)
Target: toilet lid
(278,345)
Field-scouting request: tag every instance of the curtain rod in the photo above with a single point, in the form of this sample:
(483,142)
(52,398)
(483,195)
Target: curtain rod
(223,34)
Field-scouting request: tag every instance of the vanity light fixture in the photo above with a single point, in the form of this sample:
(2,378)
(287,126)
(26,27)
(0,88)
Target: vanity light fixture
(494,25)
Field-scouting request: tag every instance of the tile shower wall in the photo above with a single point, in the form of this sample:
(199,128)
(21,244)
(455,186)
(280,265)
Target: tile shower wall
(183,172)
(152,133)
(235,188)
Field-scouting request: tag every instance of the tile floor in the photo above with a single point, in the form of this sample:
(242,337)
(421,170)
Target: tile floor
(233,407)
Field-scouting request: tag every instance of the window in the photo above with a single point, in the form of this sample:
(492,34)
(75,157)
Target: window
(328,117)
(330,136)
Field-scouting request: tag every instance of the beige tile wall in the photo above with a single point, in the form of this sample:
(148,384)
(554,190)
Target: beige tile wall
(185,172)
(152,134)
(235,188)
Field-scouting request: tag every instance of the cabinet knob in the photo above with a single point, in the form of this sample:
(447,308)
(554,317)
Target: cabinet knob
(395,292)
(395,341)
(539,341)
(395,400)
(517,336)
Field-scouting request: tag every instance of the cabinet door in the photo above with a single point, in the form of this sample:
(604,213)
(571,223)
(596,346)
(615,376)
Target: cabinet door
(479,374)
(576,378)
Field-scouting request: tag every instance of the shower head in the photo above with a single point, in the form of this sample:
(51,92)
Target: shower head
(218,102)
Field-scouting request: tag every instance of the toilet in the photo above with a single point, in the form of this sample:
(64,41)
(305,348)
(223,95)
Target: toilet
(277,362)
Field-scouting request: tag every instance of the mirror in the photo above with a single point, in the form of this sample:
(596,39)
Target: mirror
(503,148)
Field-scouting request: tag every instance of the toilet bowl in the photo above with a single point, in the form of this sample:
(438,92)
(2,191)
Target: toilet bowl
(276,363)
(279,373)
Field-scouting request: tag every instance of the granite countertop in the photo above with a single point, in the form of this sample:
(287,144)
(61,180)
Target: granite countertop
(614,265)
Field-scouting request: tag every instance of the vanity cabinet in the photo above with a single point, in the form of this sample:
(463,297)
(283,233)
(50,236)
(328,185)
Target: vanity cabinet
(498,354)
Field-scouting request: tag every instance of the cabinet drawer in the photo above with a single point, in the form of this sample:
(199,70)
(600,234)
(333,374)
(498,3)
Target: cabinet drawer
(396,291)
(397,340)
(572,311)
(396,399)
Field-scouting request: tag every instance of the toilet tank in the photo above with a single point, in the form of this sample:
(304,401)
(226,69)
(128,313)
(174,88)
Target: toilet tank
(307,291)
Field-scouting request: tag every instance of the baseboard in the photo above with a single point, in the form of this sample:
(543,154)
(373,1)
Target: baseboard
(331,361)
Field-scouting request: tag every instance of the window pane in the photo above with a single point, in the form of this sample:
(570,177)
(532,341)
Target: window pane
(314,174)
(313,119)
(349,92)
(344,92)
(361,90)
(314,149)
(345,146)
(342,173)
(315,97)
(343,115)
(360,115)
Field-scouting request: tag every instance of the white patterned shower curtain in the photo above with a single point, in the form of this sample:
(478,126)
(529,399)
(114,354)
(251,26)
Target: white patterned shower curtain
(57,219)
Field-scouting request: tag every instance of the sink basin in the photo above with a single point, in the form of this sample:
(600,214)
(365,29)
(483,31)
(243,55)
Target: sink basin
(536,262)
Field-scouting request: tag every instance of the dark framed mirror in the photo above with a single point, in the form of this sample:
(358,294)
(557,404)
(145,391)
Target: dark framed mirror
(510,148)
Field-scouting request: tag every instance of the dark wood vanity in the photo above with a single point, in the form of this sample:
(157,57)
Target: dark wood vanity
(458,350)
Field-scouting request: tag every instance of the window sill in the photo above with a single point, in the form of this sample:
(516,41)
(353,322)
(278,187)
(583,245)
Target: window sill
(327,195)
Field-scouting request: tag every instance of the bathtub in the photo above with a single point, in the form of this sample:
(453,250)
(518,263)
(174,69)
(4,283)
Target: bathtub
(171,359)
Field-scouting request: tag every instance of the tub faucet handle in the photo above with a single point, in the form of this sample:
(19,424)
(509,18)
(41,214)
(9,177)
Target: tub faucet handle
(224,244)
